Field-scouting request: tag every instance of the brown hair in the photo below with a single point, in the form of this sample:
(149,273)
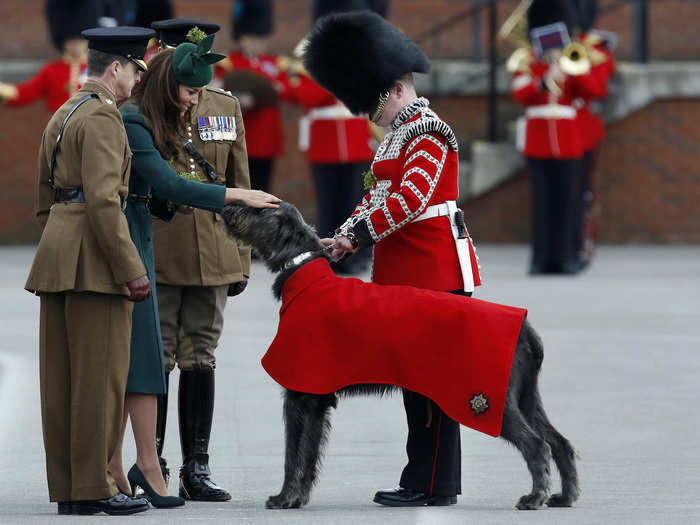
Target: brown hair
(157,97)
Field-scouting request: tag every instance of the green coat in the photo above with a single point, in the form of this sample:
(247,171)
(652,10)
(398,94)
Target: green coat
(151,175)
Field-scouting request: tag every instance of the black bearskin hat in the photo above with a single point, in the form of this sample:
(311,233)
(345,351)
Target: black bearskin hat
(587,12)
(545,12)
(252,17)
(66,20)
(358,56)
(325,7)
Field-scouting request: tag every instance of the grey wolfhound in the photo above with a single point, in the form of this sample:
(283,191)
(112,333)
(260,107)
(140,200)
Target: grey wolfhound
(280,236)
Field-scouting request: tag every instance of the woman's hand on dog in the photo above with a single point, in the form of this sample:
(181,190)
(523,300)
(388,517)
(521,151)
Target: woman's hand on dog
(253,198)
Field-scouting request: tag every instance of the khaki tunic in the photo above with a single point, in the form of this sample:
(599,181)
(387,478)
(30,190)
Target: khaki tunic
(85,246)
(193,250)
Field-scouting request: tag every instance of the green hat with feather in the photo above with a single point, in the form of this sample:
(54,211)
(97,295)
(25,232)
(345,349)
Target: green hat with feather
(193,64)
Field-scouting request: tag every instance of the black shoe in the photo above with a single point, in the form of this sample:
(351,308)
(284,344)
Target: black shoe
(118,505)
(402,497)
(196,483)
(137,479)
(65,507)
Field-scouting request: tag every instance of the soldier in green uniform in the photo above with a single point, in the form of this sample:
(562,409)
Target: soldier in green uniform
(86,269)
(197,267)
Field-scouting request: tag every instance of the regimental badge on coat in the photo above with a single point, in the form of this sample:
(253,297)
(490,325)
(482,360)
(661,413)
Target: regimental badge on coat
(479,403)
(217,128)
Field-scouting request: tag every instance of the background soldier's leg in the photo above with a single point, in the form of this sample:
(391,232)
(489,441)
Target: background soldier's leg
(202,322)
(99,337)
(54,374)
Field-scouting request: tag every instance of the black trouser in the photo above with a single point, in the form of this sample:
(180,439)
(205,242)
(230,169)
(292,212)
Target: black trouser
(339,188)
(433,446)
(260,172)
(556,190)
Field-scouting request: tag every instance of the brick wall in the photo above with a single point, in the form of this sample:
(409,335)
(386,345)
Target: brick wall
(649,166)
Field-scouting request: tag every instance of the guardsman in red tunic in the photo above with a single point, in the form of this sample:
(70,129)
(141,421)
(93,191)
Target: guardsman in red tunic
(599,46)
(254,76)
(551,137)
(57,81)
(409,216)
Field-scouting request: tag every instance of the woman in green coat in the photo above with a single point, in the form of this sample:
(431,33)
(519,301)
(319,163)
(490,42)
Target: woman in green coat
(154,120)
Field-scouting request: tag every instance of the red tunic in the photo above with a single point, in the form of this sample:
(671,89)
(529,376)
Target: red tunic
(553,130)
(448,348)
(334,134)
(416,166)
(263,127)
(55,82)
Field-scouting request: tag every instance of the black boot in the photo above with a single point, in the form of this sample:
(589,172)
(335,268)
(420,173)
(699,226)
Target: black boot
(162,401)
(196,410)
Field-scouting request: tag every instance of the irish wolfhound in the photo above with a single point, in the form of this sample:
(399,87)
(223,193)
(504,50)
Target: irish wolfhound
(281,235)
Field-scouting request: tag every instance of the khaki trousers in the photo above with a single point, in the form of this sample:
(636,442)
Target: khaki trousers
(84,362)
(191,321)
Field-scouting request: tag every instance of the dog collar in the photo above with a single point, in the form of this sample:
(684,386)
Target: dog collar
(297,260)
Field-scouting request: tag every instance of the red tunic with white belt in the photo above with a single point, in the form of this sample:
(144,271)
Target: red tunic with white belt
(55,82)
(329,133)
(415,167)
(552,129)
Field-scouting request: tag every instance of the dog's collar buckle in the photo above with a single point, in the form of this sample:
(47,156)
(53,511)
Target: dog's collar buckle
(297,260)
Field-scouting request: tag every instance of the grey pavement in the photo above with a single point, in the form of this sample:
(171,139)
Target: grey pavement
(620,380)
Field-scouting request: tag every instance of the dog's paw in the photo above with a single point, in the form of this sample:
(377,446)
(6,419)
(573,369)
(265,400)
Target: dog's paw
(560,500)
(531,501)
(282,502)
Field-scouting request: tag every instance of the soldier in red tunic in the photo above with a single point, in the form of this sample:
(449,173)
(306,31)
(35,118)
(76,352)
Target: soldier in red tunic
(57,81)
(551,138)
(409,216)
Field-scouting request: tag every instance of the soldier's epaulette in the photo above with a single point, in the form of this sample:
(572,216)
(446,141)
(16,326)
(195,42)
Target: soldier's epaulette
(220,91)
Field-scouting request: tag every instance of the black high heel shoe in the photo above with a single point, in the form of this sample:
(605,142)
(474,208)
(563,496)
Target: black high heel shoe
(137,479)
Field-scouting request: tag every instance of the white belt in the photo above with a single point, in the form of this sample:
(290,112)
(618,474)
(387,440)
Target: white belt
(551,111)
(337,111)
(448,209)
(437,210)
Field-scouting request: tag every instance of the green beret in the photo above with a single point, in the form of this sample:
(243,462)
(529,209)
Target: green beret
(193,64)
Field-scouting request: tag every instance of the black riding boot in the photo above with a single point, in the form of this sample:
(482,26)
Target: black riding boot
(196,410)
(162,403)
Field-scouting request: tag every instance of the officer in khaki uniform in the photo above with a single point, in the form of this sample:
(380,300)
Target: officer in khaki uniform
(86,269)
(197,266)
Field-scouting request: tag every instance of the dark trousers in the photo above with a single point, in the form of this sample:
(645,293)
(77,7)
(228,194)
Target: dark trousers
(260,173)
(433,446)
(339,188)
(556,191)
